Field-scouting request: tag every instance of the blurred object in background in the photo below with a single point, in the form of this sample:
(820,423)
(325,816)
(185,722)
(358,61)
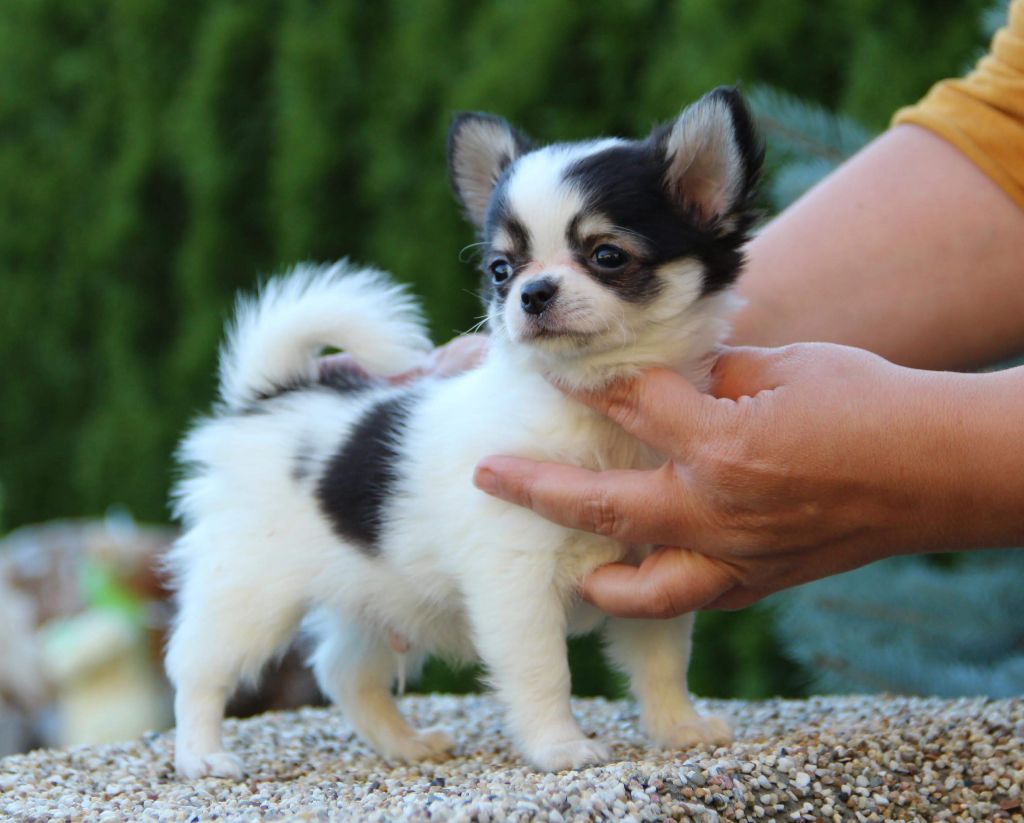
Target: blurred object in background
(107,688)
(949,626)
(84,615)
(23,689)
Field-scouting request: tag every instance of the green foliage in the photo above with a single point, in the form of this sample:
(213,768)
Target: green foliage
(806,141)
(914,627)
(156,157)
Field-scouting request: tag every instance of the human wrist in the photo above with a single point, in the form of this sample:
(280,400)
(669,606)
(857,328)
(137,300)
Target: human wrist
(967,451)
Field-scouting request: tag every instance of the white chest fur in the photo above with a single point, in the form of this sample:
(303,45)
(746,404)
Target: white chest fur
(441,532)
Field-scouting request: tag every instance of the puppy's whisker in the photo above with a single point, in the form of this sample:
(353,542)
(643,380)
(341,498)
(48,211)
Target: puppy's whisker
(474,247)
(619,318)
(477,326)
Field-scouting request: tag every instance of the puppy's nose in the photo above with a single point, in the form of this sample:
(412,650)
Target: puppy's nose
(538,295)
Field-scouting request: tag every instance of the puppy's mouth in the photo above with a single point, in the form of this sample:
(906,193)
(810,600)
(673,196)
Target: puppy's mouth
(538,332)
(553,328)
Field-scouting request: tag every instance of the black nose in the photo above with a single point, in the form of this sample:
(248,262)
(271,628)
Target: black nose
(538,295)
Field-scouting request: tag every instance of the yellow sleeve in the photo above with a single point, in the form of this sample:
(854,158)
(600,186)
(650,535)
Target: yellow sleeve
(982,114)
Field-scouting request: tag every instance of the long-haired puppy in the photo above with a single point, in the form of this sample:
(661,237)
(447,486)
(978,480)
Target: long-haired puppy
(347,503)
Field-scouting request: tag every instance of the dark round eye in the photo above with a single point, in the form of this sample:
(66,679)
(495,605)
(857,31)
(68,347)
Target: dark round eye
(608,256)
(501,270)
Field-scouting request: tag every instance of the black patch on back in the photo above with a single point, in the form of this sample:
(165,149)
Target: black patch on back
(361,476)
(346,381)
(340,380)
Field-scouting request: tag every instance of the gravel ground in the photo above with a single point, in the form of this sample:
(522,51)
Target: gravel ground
(849,758)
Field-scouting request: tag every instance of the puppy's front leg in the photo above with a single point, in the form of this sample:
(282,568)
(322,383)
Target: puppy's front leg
(656,654)
(519,623)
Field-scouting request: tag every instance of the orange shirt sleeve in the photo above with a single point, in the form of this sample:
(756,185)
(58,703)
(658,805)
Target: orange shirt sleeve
(982,114)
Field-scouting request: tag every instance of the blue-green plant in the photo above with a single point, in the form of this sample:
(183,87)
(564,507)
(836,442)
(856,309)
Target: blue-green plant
(915,627)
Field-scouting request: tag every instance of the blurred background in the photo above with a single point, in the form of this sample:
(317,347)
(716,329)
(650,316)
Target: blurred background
(157,157)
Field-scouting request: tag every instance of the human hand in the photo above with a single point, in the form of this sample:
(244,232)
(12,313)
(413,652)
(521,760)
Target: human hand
(454,357)
(809,460)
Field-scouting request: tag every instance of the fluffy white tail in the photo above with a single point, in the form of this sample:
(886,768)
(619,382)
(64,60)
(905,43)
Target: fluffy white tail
(276,335)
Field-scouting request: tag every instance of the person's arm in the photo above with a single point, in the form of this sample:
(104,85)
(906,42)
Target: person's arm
(908,250)
(813,459)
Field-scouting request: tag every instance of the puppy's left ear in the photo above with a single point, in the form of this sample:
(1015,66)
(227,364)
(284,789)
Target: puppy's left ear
(480,148)
(714,158)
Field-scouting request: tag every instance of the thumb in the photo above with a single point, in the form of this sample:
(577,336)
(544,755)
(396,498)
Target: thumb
(669,582)
(744,371)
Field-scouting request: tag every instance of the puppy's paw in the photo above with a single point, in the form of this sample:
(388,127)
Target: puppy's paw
(713,730)
(213,764)
(429,744)
(569,754)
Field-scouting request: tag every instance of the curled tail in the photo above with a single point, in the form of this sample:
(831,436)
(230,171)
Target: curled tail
(278,333)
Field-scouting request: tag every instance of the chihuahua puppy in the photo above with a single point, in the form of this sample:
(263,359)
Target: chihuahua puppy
(348,503)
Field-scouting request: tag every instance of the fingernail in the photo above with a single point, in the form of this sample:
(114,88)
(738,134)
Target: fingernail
(486,480)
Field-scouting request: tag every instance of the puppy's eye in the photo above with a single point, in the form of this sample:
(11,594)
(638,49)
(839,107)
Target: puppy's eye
(608,256)
(501,270)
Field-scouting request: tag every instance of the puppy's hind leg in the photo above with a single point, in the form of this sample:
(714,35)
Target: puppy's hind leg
(221,636)
(655,654)
(356,666)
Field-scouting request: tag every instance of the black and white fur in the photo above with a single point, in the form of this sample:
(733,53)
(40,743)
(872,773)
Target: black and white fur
(348,502)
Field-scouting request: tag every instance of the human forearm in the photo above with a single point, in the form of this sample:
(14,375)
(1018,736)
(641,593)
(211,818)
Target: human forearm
(977,458)
(908,251)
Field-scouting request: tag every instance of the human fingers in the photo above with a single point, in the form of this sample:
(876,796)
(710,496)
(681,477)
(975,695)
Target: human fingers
(745,371)
(628,505)
(659,407)
(669,582)
(454,357)
(458,355)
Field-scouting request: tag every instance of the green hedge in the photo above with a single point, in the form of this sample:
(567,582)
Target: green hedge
(155,157)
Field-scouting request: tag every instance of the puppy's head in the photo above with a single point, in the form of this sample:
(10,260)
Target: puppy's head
(589,247)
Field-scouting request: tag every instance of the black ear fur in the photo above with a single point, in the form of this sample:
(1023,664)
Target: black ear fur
(480,148)
(714,157)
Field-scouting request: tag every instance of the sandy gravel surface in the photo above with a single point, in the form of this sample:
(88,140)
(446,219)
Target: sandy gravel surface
(851,758)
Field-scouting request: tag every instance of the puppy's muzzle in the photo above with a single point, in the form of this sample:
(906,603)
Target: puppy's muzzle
(539,294)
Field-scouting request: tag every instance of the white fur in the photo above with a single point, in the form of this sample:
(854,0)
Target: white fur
(541,199)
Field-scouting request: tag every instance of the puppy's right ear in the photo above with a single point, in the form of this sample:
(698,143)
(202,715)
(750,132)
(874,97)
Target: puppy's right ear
(480,148)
